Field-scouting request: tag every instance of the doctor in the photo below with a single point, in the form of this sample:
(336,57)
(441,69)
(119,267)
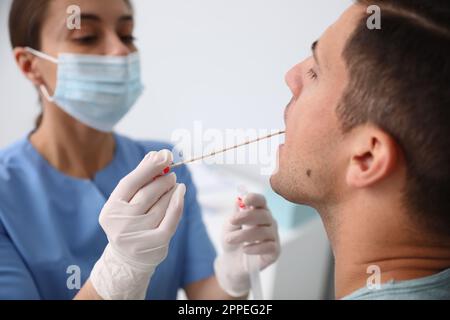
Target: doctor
(54,182)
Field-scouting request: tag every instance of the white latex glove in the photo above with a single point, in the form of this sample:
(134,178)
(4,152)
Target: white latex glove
(139,220)
(258,237)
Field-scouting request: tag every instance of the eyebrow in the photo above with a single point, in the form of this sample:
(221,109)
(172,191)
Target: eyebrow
(90,16)
(127,17)
(314,51)
(96,18)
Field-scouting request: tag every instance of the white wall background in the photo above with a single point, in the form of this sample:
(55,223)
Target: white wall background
(218,61)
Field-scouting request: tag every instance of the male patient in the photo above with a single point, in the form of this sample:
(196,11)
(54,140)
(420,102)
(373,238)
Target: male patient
(368,145)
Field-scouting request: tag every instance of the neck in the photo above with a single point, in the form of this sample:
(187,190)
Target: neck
(366,232)
(72,147)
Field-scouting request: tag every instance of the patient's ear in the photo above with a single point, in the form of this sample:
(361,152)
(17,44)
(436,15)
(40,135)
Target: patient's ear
(374,155)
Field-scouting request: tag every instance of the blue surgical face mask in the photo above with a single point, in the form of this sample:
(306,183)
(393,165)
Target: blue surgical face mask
(96,90)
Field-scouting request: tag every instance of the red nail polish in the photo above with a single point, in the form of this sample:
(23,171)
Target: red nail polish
(241,203)
(165,171)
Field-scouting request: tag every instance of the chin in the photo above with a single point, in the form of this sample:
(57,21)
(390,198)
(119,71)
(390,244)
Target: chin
(273,183)
(279,185)
(283,186)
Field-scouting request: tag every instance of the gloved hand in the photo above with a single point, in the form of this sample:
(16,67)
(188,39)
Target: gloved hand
(139,220)
(258,237)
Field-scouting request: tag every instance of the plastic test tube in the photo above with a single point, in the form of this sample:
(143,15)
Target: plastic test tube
(251,261)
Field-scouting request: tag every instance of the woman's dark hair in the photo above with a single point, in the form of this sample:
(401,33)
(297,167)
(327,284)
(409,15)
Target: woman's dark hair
(26,18)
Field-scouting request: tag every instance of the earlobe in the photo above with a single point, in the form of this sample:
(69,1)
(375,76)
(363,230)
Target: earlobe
(373,159)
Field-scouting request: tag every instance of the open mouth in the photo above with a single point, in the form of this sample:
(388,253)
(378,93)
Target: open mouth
(283,138)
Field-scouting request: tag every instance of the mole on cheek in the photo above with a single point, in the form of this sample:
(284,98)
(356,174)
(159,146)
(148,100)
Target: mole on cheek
(308,173)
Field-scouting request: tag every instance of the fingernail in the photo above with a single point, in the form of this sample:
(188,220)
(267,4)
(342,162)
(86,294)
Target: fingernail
(166,170)
(241,203)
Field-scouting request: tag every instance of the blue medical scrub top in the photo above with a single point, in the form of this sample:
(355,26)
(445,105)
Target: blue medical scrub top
(49,222)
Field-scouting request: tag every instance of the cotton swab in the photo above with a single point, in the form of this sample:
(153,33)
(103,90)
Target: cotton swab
(214,153)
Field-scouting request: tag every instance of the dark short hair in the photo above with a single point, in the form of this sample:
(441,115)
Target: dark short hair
(400,82)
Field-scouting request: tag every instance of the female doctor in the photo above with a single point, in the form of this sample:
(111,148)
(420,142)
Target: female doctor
(54,182)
